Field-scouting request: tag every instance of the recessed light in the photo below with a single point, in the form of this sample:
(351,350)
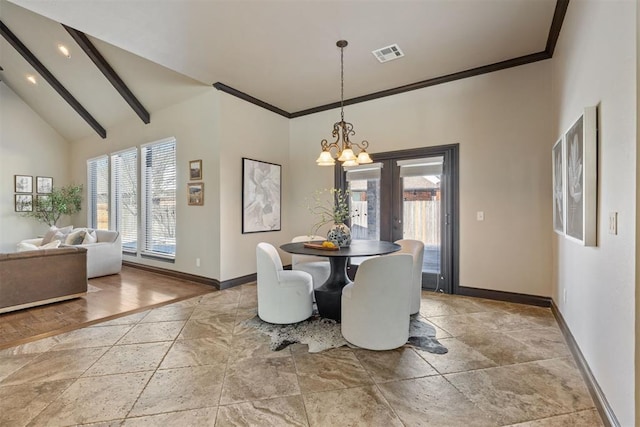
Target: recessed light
(32,80)
(64,50)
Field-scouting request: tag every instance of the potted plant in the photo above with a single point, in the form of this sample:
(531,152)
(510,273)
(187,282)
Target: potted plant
(50,207)
(332,206)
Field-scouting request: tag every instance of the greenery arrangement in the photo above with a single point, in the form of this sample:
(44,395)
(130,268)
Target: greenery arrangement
(61,201)
(330,205)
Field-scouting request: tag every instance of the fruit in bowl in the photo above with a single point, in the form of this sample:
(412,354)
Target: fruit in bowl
(328,244)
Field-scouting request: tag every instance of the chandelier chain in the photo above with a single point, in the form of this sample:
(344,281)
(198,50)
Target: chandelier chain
(342,84)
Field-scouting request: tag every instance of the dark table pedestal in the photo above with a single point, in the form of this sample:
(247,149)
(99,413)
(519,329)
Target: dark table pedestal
(329,295)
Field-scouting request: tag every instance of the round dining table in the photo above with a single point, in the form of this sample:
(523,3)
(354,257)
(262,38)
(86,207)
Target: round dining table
(329,295)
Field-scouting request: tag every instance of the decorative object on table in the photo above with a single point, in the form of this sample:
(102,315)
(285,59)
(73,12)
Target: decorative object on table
(61,201)
(558,173)
(195,191)
(323,334)
(261,196)
(23,183)
(44,184)
(195,170)
(24,202)
(332,206)
(581,178)
(341,132)
(324,246)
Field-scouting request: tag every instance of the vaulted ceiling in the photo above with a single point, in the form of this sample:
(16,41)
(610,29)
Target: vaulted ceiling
(280,52)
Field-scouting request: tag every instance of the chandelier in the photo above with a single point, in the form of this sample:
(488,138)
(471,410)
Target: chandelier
(342,146)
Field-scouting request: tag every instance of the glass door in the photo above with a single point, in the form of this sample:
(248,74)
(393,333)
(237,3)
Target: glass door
(408,195)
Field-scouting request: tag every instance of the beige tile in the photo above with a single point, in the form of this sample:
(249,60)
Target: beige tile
(112,423)
(330,370)
(259,378)
(38,346)
(56,365)
(589,418)
(121,359)
(226,296)
(218,325)
(180,389)
(153,332)
(205,311)
(168,313)
(481,322)
(10,363)
(395,364)
(359,406)
(248,343)
(196,352)
(547,340)
(131,319)
(94,399)
(283,411)
(460,357)
(203,417)
(92,337)
(19,404)
(527,391)
(432,401)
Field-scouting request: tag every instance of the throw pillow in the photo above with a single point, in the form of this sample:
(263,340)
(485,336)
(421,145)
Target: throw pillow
(22,246)
(51,245)
(90,237)
(51,233)
(76,237)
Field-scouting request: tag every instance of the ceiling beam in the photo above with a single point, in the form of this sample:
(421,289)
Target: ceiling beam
(46,74)
(556,25)
(246,97)
(102,64)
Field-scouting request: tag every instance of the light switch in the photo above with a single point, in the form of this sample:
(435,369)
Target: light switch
(613,222)
(480,216)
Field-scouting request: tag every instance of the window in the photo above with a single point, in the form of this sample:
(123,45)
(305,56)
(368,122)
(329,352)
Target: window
(124,197)
(98,192)
(158,198)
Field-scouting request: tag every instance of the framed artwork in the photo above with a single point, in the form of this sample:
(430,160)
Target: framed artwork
(44,184)
(195,193)
(23,184)
(24,202)
(581,176)
(43,202)
(261,196)
(195,169)
(557,156)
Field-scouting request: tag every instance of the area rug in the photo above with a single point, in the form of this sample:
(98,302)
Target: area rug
(322,334)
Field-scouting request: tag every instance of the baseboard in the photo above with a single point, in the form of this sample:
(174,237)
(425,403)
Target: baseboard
(504,296)
(177,274)
(602,405)
(226,284)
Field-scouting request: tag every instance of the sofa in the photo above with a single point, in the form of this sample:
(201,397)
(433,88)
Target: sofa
(104,257)
(32,278)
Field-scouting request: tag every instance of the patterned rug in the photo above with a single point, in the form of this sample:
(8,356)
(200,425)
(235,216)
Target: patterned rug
(322,334)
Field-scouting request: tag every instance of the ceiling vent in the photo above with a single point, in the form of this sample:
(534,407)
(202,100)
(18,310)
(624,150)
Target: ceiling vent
(388,53)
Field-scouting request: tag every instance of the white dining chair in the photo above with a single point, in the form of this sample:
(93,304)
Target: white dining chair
(318,267)
(283,296)
(375,307)
(415,248)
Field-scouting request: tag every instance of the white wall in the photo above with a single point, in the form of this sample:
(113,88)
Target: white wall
(253,132)
(502,122)
(28,146)
(595,64)
(193,123)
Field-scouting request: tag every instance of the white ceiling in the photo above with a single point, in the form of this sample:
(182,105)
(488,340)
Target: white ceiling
(281,52)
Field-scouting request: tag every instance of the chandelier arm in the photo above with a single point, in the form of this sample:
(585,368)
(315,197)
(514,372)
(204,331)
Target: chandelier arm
(363,145)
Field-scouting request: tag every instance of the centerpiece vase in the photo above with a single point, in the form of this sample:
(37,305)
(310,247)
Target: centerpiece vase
(340,234)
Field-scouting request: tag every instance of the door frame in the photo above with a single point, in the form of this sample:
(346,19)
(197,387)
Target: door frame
(449,274)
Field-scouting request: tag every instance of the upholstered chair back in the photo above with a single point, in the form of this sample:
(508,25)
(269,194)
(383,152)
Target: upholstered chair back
(415,248)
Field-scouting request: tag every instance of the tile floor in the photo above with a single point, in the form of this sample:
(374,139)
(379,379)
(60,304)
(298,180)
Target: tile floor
(193,363)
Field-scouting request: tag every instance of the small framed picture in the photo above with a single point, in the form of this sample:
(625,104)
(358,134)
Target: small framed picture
(24,202)
(195,170)
(24,183)
(196,193)
(44,184)
(43,203)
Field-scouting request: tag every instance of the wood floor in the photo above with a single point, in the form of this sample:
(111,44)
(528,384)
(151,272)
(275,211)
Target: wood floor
(131,291)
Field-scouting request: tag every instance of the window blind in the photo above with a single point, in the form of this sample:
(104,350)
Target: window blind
(364,172)
(124,200)
(431,166)
(98,192)
(158,175)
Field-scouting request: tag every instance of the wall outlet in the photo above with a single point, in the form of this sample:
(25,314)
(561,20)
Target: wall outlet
(613,222)
(197,262)
(480,216)
(564,296)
